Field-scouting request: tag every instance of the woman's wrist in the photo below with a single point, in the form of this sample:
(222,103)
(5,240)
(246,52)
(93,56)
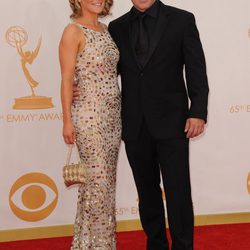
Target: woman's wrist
(67,121)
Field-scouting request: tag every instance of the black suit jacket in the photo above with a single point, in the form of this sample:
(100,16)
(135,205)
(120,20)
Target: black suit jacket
(157,92)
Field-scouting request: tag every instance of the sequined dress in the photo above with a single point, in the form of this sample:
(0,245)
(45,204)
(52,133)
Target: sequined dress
(96,117)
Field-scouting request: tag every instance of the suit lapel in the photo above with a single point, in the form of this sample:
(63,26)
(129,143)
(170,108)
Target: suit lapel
(159,30)
(132,39)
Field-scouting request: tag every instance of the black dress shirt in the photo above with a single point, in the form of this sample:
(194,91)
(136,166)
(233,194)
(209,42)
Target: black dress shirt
(150,19)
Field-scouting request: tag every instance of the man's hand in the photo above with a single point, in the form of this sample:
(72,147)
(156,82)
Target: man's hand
(76,92)
(194,127)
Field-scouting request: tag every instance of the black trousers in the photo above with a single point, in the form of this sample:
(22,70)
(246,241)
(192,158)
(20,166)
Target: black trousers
(148,159)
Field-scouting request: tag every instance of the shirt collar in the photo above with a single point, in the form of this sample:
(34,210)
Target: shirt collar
(152,11)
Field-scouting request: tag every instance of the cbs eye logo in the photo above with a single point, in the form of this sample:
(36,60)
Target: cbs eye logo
(248,183)
(33,197)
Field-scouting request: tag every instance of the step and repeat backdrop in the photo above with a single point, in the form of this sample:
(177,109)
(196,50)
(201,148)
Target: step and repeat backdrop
(32,151)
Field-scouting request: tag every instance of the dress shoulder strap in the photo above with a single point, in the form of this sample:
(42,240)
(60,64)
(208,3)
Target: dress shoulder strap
(104,26)
(76,24)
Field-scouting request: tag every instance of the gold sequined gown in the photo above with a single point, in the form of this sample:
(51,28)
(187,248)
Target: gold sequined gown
(96,116)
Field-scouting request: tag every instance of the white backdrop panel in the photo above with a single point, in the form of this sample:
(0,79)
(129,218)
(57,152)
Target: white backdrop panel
(31,139)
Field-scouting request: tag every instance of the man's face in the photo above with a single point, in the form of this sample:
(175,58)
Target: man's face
(142,5)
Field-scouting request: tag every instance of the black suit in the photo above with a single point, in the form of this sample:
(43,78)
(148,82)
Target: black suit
(154,111)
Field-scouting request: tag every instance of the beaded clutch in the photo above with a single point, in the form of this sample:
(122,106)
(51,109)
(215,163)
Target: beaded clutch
(74,173)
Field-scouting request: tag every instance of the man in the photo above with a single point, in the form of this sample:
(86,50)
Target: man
(156,42)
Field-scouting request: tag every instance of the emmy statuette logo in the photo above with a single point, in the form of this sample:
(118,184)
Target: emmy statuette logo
(17,37)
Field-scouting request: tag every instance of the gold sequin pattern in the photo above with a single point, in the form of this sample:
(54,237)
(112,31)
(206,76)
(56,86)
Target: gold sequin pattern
(96,116)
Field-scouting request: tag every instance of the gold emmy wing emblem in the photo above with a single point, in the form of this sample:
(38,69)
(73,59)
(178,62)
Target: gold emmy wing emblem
(17,37)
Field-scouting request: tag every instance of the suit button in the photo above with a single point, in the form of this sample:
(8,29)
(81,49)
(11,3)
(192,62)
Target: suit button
(141,74)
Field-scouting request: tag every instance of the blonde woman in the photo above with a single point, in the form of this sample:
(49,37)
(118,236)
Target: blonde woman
(88,56)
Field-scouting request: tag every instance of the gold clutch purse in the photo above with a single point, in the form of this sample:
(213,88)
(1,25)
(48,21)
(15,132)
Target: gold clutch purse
(74,173)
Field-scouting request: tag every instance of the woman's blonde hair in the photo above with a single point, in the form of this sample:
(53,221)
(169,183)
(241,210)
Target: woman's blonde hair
(76,8)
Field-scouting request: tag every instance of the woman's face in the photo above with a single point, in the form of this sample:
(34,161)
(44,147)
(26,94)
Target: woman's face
(93,6)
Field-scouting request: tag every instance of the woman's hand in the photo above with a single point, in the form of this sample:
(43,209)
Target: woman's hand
(69,133)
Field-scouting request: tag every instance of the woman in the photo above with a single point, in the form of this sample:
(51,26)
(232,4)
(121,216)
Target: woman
(88,57)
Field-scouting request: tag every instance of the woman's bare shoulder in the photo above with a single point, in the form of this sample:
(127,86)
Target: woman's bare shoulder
(71,30)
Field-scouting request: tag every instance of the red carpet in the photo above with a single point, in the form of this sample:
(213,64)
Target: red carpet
(222,237)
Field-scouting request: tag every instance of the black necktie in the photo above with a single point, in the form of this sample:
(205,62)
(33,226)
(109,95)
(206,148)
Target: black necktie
(142,41)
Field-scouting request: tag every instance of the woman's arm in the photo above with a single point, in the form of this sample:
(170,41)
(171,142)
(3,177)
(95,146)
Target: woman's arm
(72,40)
